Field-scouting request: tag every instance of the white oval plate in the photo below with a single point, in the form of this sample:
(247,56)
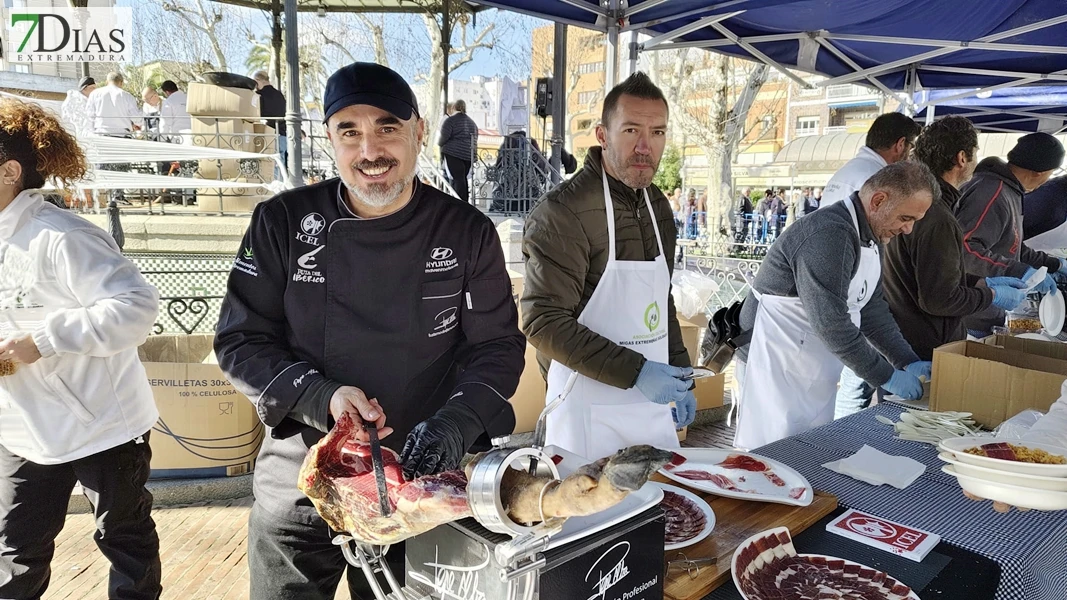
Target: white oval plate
(1052,312)
(576,528)
(1009,494)
(709,514)
(756,487)
(752,540)
(1039,482)
(956,447)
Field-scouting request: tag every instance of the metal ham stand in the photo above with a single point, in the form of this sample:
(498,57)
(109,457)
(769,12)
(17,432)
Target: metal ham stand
(521,557)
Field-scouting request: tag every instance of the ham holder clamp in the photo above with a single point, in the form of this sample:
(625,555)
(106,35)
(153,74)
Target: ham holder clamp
(491,556)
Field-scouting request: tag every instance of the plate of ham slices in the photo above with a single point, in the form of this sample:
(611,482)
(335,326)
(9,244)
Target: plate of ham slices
(766,566)
(740,475)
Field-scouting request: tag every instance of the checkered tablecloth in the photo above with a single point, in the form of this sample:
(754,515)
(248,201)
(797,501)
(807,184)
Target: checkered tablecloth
(1031,547)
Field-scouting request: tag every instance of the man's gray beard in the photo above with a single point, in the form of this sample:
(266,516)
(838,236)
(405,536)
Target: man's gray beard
(379,195)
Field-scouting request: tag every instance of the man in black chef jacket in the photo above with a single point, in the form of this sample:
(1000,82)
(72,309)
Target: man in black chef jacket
(373,294)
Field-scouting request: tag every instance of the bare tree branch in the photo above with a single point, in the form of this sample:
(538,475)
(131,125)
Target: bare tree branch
(205,22)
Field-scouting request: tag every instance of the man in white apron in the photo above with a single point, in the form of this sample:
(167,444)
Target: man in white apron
(817,305)
(596,299)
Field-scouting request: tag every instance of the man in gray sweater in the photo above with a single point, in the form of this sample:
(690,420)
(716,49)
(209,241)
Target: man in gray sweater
(817,304)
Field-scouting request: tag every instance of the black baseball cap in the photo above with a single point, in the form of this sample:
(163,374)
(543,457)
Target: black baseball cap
(371,84)
(86,82)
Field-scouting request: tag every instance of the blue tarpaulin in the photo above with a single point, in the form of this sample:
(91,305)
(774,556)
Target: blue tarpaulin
(1040,108)
(891,44)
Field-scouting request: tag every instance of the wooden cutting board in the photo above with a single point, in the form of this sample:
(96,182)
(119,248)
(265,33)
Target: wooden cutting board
(735,521)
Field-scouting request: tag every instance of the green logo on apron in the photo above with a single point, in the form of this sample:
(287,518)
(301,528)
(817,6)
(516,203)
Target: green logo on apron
(652,316)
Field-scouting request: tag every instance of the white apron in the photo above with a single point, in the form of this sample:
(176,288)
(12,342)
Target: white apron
(1054,240)
(791,376)
(629,308)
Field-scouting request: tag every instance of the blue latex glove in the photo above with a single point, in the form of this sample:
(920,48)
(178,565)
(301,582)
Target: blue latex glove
(662,383)
(1008,281)
(1063,267)
(1046,286)
(921,368)
(905,385)
(685,411)
(1006,297)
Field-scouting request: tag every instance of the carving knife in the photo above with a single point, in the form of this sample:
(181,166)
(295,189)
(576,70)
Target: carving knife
(379,467)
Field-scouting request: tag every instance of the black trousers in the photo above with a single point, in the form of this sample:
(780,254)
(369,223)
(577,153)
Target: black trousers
(459,169)
(33,508)
(294,561)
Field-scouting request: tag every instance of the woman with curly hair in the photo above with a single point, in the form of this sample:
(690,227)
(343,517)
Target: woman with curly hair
(75,403)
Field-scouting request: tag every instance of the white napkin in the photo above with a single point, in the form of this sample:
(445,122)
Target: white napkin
(875,467)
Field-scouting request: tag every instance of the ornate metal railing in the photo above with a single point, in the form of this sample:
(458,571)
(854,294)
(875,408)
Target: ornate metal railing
(512,179)
(191,288)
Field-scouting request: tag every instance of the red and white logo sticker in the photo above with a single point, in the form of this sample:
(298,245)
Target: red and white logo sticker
(886,535)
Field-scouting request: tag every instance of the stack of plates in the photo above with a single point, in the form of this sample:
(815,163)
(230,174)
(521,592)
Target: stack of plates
(1023,484)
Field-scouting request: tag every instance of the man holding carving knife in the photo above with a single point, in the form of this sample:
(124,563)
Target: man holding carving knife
(374,295)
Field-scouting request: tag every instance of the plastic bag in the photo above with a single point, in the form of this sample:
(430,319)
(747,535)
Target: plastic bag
(692,292)
(1016,427)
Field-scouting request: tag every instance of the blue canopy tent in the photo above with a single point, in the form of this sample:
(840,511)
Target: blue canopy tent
(894,45)
(1023,109)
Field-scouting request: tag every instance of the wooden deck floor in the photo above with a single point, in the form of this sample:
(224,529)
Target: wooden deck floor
(203,546)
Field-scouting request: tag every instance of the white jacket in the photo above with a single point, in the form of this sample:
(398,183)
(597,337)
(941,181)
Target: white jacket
(851,177)
(113,111)
(176,118)
(75,113)
(89,391)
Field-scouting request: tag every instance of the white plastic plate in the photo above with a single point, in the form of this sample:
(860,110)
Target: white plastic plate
(1038,482)
(1052,311)
(956,447)
(1009,494)
(709,515)
(578,527)
(752,540)
(756,486)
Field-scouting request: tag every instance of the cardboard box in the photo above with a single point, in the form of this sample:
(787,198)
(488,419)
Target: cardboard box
(218,101)
(1036,347)
(206,428)
(996,383)
(709,391)
(516,290)
(529,398)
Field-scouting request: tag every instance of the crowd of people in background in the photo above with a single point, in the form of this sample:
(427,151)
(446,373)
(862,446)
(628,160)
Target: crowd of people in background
(754,218)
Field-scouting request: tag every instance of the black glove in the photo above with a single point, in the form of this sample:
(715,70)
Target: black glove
(440,442)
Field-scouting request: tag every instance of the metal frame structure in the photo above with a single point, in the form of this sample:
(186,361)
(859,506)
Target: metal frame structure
(720,18)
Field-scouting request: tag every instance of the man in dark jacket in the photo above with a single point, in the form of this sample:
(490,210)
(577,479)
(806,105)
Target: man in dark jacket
(370,295)
(459,143)
(272,104)
(574,296)
(926,284)
(990,212)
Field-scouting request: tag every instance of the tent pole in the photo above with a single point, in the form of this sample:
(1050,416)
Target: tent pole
(611,58)
(559,102)
(633,54)
(930,114)
(292,113)
(909,107)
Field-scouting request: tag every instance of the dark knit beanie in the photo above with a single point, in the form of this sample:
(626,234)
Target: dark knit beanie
(1038,152)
